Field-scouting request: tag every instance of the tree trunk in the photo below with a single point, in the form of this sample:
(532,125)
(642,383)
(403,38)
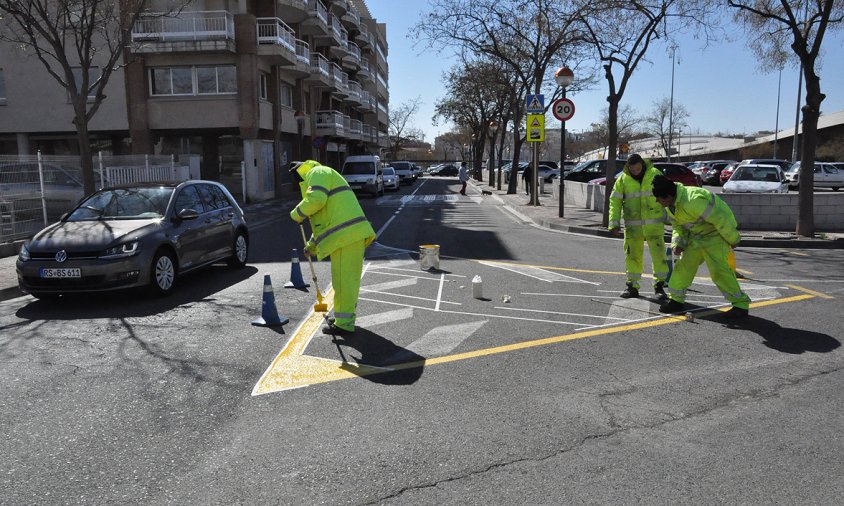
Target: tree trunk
(811,112)
(612,144)
(85,159)
(491,164)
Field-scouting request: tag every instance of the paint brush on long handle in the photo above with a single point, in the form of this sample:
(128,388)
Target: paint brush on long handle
(320,306)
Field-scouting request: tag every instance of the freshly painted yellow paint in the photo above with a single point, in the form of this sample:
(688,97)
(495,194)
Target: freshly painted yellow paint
(812,292)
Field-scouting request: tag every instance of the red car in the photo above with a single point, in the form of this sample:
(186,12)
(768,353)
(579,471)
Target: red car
(727,172)
(673,171)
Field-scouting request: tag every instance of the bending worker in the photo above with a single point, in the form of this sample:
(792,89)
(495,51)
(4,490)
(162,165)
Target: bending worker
(340,230)
(704,230)
(632,197)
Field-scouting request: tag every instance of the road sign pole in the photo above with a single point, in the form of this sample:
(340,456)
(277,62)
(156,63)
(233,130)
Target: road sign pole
(534,183)
(562,188)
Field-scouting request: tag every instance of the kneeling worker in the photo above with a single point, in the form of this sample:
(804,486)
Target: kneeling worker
(340,230)
(704,230)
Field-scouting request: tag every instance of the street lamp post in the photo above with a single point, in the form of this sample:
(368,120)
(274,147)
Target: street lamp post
(564,77)
(493,126)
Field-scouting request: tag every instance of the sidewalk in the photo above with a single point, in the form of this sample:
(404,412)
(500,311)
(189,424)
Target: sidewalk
(546,215)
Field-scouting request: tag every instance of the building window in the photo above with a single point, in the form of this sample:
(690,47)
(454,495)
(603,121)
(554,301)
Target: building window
(262,86)
(93,76)
(193,80)
(2,87)
(216,80)
(286,94)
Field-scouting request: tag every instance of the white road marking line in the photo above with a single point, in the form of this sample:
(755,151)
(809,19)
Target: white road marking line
(482,315)
(386,317)
(379,271)
(410,297)
(384,267)
(568,295)
(390,285)
(556,312)
(440,292)
(441,340)
(537,273)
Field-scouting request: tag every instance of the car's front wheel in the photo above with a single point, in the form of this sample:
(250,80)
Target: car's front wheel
(240,252)
(163,273)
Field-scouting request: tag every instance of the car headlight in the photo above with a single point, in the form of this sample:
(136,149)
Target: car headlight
(23,254)
(121,251)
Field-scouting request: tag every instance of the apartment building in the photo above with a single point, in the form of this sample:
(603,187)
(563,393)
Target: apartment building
(262,82)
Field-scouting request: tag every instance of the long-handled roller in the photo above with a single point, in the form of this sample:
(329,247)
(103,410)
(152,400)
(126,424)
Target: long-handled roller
(320,306)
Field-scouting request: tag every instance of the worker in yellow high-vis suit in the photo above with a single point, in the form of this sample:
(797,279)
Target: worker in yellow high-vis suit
(704,231)
(644,220)
(340,230)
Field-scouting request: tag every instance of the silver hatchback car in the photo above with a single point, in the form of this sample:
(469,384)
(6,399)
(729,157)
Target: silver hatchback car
(140,235)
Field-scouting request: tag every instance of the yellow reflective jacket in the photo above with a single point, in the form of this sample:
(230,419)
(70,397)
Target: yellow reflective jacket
(643,216)
(700,216)
(336,217)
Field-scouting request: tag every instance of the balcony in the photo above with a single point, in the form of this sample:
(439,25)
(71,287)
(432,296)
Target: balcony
(341,80)
(355,129)
(354,92)
(366,102)
(320,71)
(277,41)
(331,123)
(302,64)
(362,37)
(351,18)
(363,72)
(352,58)
(367,133)
(187,31)
(294,11)
(316,23)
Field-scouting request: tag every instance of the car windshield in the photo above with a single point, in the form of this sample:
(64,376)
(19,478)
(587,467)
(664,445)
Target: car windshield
(358,168)
(123,204)
(750,173)
(401,165)
(388,171)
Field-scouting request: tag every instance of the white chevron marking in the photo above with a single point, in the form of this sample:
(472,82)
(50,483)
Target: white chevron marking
(441,340)
(386,317)
(389,285)
(537,273)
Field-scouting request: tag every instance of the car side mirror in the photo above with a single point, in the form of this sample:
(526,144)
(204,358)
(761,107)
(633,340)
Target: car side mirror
(187,214)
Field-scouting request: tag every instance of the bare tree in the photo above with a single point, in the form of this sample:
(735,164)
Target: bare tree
(801,25)
(658,121)
(621,32)
(528,36)
(80,43)
(626,121)
(400,127)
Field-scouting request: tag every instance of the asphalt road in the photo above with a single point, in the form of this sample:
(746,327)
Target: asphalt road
(548,390)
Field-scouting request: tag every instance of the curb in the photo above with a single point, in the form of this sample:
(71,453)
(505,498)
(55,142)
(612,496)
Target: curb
(12,292)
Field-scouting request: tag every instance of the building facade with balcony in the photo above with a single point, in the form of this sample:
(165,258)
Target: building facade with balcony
(244,86)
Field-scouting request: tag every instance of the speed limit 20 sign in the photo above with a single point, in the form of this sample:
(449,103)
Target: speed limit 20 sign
(563,109)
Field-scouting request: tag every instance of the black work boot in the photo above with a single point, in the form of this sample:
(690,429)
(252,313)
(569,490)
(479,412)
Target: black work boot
(735,313)
(672,306)
(631,292)
(659,290)
(334,330)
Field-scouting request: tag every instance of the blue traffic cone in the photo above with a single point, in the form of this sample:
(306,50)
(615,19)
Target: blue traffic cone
(269,314)
(296,280)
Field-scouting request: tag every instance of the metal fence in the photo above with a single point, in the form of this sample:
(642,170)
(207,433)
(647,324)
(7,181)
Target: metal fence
(36,190)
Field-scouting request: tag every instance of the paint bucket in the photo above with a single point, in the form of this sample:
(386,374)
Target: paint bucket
(477,288)
(429,257)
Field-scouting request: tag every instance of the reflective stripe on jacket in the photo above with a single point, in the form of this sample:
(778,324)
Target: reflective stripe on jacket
(336,217)
(699,215)
(635,201)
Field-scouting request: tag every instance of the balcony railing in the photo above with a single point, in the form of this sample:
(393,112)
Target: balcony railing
(320,65)
(352,14)
(319,10)
(356,128)
(354,91)
(189,25)
(332,122)
(276,31)
(303,52)
(341,79)
(364,65)
(363,36)
(366,134)
(354,50)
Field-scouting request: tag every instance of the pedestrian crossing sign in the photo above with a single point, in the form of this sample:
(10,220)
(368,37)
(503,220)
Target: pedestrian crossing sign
(535,104)
(536,128)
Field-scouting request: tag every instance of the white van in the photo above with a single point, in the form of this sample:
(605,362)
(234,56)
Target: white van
(364,173)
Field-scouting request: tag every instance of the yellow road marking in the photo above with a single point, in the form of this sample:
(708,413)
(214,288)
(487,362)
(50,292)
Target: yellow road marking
(812,292)
(292,369)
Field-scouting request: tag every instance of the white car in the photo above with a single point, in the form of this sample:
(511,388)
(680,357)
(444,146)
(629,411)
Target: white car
(756,179)
(391,180)
(827,175)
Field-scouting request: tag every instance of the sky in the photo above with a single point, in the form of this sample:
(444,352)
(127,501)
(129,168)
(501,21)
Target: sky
(720,86)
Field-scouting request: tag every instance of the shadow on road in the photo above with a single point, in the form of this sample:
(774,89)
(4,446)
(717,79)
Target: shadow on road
(378,351)
(788,340)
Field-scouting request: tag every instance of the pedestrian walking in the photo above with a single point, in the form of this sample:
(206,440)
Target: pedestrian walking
(644,221)
(463,176)
(704,231)
(527,177)
(340,231)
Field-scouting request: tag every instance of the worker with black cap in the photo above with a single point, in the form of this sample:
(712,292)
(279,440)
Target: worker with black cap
(704,230)
(340,230)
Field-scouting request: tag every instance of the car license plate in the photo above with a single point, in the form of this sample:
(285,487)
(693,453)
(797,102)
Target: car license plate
(61,273)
